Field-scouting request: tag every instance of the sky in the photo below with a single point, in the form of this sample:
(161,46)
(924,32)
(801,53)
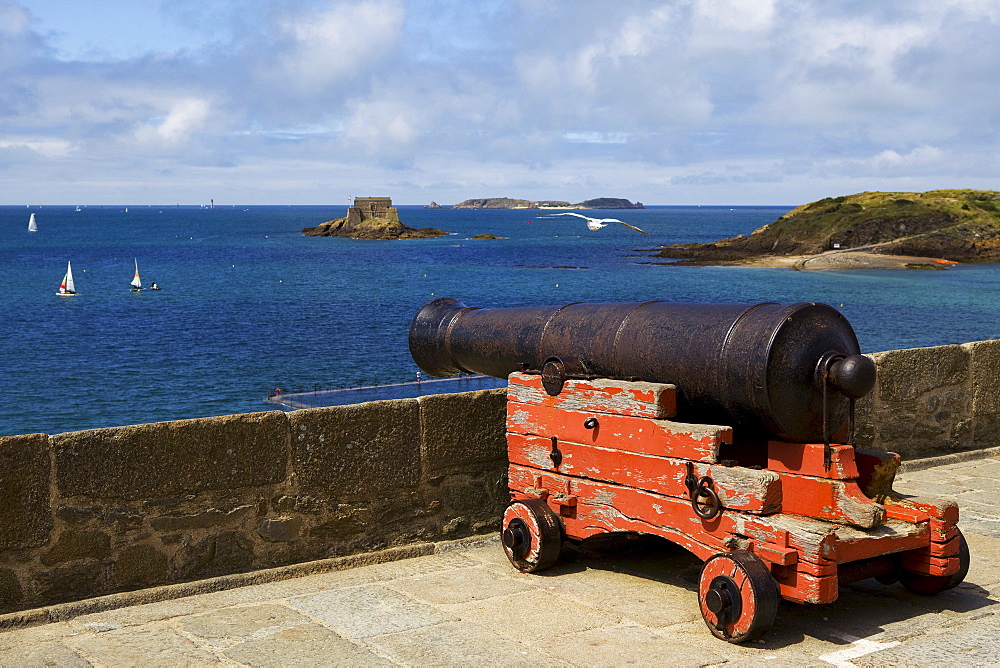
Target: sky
(313,101)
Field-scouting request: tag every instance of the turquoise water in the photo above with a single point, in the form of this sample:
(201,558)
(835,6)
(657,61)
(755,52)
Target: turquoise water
(249,304)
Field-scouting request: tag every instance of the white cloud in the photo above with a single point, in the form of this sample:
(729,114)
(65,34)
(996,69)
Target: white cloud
(184,118)
(45,148)
(317,49)
(655,98)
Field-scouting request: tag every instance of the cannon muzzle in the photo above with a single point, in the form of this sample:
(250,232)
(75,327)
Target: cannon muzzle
(765,369)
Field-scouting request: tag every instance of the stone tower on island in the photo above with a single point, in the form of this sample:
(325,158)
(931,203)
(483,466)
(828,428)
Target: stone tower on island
(371,218)
(366,208)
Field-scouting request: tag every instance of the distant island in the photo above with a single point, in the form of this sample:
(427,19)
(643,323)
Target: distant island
(371,218)
(866,230)
(510,203)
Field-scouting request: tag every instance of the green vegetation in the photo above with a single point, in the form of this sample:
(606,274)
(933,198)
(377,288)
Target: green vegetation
(961,225)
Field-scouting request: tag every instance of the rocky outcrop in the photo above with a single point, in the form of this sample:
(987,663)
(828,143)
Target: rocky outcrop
(487,236)
(434,205)
(508,203)
(372,228)
(371,218)
(511,203)
(608,203)
(959,225)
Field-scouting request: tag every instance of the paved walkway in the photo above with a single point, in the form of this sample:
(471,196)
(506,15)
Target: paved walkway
(469,607)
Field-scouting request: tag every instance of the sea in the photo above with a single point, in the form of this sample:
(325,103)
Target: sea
(249,304)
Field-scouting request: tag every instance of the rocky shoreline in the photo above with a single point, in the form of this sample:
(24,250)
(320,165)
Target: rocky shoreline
(930,230)
(512,203)
(372,228)
(834,261)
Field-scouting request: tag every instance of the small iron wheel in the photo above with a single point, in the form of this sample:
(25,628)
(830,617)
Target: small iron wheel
(738,596)
(928,585)
(531,535)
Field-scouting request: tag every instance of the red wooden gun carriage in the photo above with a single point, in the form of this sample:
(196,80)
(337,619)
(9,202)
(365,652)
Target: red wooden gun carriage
(616,432)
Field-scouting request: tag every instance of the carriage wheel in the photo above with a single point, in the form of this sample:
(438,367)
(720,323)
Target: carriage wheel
(531,535)
(738,596)
(928,585)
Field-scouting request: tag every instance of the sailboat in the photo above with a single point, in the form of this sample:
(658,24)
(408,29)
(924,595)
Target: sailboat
(67,288)
(136,281)
(32,225)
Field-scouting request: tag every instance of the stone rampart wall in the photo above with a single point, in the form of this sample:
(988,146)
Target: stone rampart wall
(933,401)
(93,512)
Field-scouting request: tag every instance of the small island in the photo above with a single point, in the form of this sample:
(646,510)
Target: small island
(371,218)
(511,203)
(868,230)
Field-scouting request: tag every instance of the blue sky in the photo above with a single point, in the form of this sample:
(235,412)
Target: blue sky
(313,101)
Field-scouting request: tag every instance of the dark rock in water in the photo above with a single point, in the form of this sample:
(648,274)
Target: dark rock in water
(608,203)
(511,203)
(433,205)
(961,225)
(372,228)
(508,203)
(371,218)
(487,236)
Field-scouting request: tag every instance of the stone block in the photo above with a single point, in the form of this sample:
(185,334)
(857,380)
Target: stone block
(70,583)
(297,503)
(904,375)
(223,554)
(358,452)
(124,519)
(468,428)
(922,402)
(140,565)
(25,516)
(76,544)
(302,645)
(463,494)
(171,458)
(363,612)
(985,370)
(11,593)
(206,519)
(73,515)
(280,529)
(986,432)
(864,420)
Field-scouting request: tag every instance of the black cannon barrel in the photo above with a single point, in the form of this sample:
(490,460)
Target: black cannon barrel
(764,368)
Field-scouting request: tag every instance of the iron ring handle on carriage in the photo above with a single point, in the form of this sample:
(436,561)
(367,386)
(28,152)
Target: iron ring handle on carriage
(702,489)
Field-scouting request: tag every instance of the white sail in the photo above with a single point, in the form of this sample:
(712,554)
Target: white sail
(32,226)
(70,285)
(136,281)
(67,287)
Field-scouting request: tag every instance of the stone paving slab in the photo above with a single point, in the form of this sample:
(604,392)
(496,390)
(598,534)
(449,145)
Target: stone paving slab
(602,607)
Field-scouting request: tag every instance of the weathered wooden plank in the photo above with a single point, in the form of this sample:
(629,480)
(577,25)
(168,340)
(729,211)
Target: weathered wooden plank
(794,585)
(601,395)
(897,512)
(876,472)
(942,512)
(739,488)
(824,542)
(839,501)
(654,509)
(808,459)
(929,565)
(619,432)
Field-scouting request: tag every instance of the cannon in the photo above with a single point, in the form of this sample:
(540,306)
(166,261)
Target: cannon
(724,428)
(763,369)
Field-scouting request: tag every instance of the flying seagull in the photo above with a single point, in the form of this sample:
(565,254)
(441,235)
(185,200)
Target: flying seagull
(594,223)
